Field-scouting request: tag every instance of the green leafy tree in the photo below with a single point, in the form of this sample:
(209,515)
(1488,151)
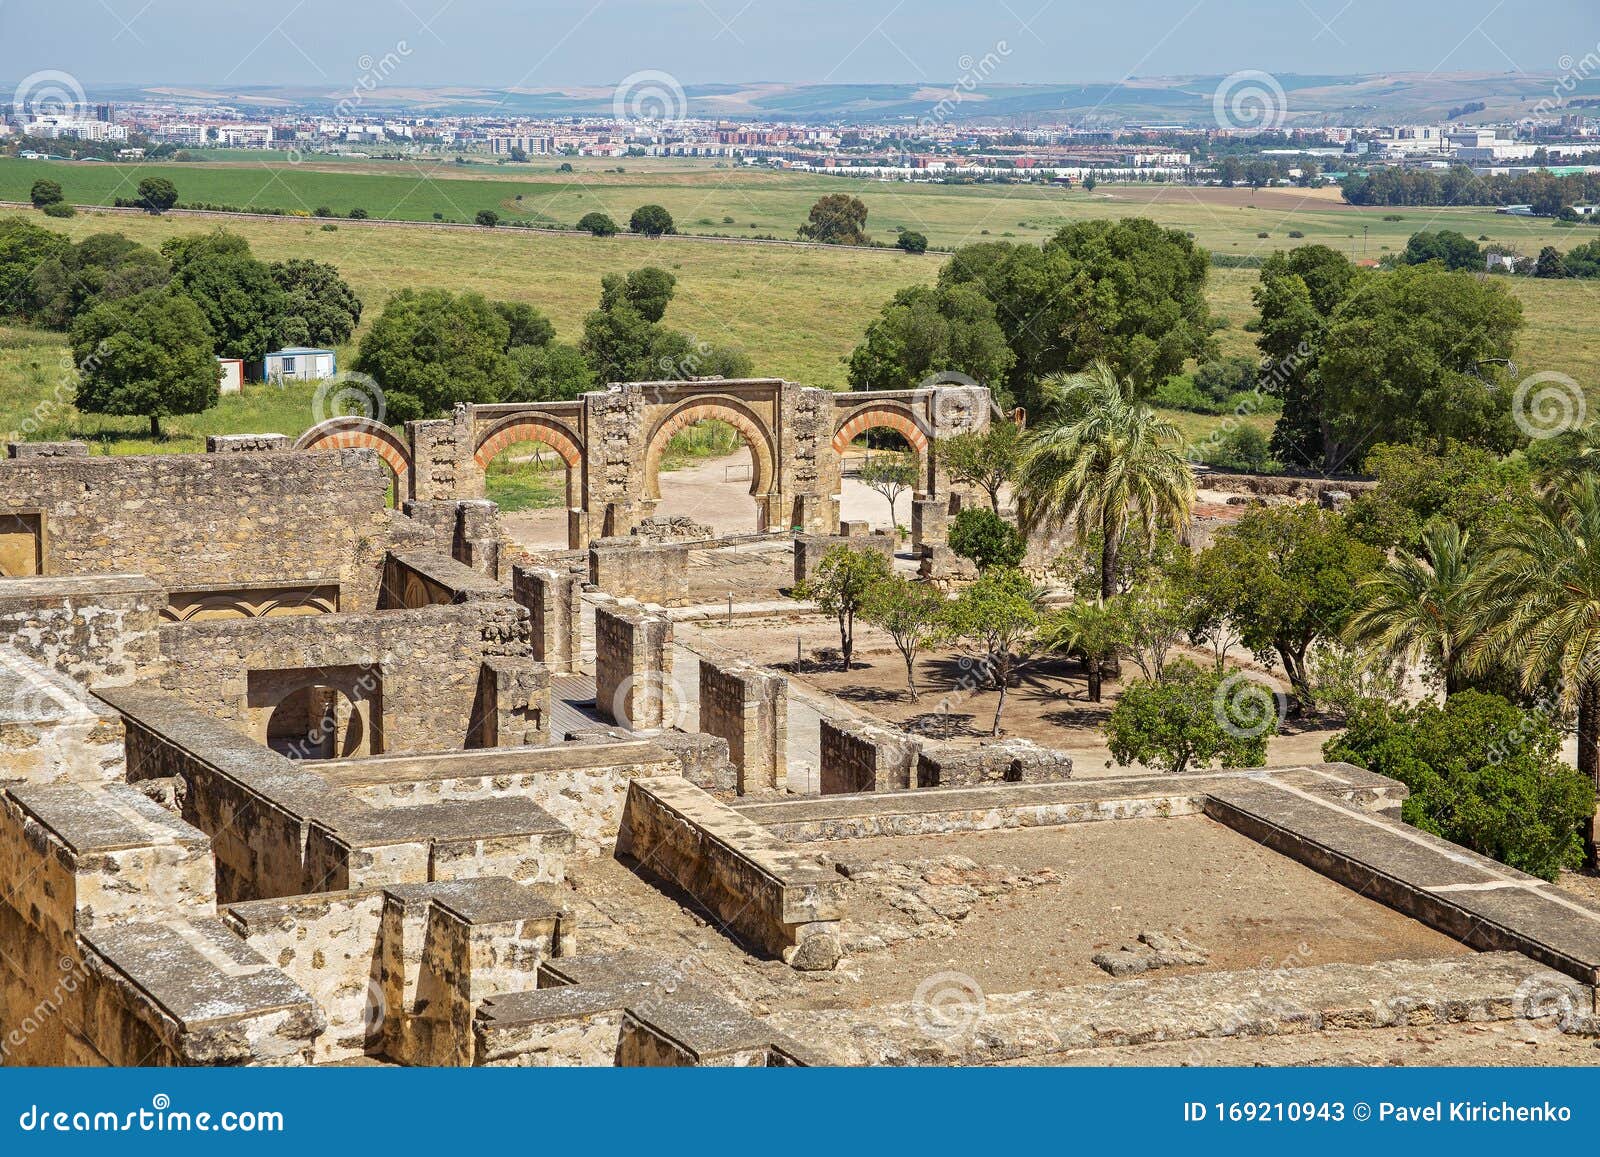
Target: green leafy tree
(911,241)
(926,330)
(554,372)
(987,458)
(652,221)
(239,295)
(45,192)
(1482,772)
(320,308)
(986,538)
(101,267)
(1419,607)
(647,289)
(837,219)
(910,613)
(1451,249)
(529,327)
(999,616)
(1158,610)
(1089,630)
(1128,293)
(1180,721)
(1297,296)
(430,349)
(488,218)
(1104,462)
(1550,263)
(1473,488)
(157,194)
(1420,355)
(891,475)
(148,355)
(1245,449)
(598,223)
(1292,573)
(841,586)
(24,247)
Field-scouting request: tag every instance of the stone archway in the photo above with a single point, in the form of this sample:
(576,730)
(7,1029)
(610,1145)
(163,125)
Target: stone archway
(879,415)
(354,431)
(763,472)
(728,410)
(534,427)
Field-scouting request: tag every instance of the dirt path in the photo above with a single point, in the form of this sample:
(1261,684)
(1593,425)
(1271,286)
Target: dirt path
(715,491)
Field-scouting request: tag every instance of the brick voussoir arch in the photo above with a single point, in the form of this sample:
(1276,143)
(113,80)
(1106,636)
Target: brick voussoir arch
(529,428)
(879,416)
(348,432)
(721,409)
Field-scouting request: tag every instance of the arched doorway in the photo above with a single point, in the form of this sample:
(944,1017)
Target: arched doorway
(316,722)
(531,466)
(354,431)
(715,456)
(884,460)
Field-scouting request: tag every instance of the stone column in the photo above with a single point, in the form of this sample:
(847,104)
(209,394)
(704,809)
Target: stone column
(749,707)
(513,704)
(477,536)
(554,599)
(633,667)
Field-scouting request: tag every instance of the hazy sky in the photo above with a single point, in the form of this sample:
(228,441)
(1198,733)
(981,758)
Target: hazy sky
(498,43)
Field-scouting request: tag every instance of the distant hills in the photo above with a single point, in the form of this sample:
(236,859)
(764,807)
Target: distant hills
(1307,101)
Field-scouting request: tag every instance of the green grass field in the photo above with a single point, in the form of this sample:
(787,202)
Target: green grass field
(706,198)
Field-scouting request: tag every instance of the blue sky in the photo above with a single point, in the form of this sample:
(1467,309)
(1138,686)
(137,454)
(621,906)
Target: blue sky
(496,43)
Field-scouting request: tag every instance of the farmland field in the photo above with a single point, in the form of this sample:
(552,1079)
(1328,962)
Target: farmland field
(720,199)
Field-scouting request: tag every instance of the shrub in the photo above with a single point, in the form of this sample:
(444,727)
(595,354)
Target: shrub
(322,211)
(59,209)
(1181,721)
(1243,448)
(912,241)
(1482,772)
(987,539)
(488,218)
(358,214)
(600,224)
(45,192)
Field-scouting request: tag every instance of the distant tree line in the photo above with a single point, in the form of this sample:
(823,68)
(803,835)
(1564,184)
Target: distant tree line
(1548,193)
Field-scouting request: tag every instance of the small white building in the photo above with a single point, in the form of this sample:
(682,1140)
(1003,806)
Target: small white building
(298,363)
(232,379)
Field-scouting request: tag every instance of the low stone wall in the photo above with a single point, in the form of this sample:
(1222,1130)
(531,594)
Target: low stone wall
(427,661)
(1283,485)
(52,731)
(584,787)
(810,549)
(702,759)
(639,568)
(95,629)
(779,901)
(428,578)
(997,761)
(858,757)
(204,520)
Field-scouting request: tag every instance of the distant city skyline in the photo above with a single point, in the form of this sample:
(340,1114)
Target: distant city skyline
(501,44)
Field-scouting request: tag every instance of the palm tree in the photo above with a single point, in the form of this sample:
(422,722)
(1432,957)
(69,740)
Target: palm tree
(1107,462)
(1538,594)
(1420,606)
(1088,630)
